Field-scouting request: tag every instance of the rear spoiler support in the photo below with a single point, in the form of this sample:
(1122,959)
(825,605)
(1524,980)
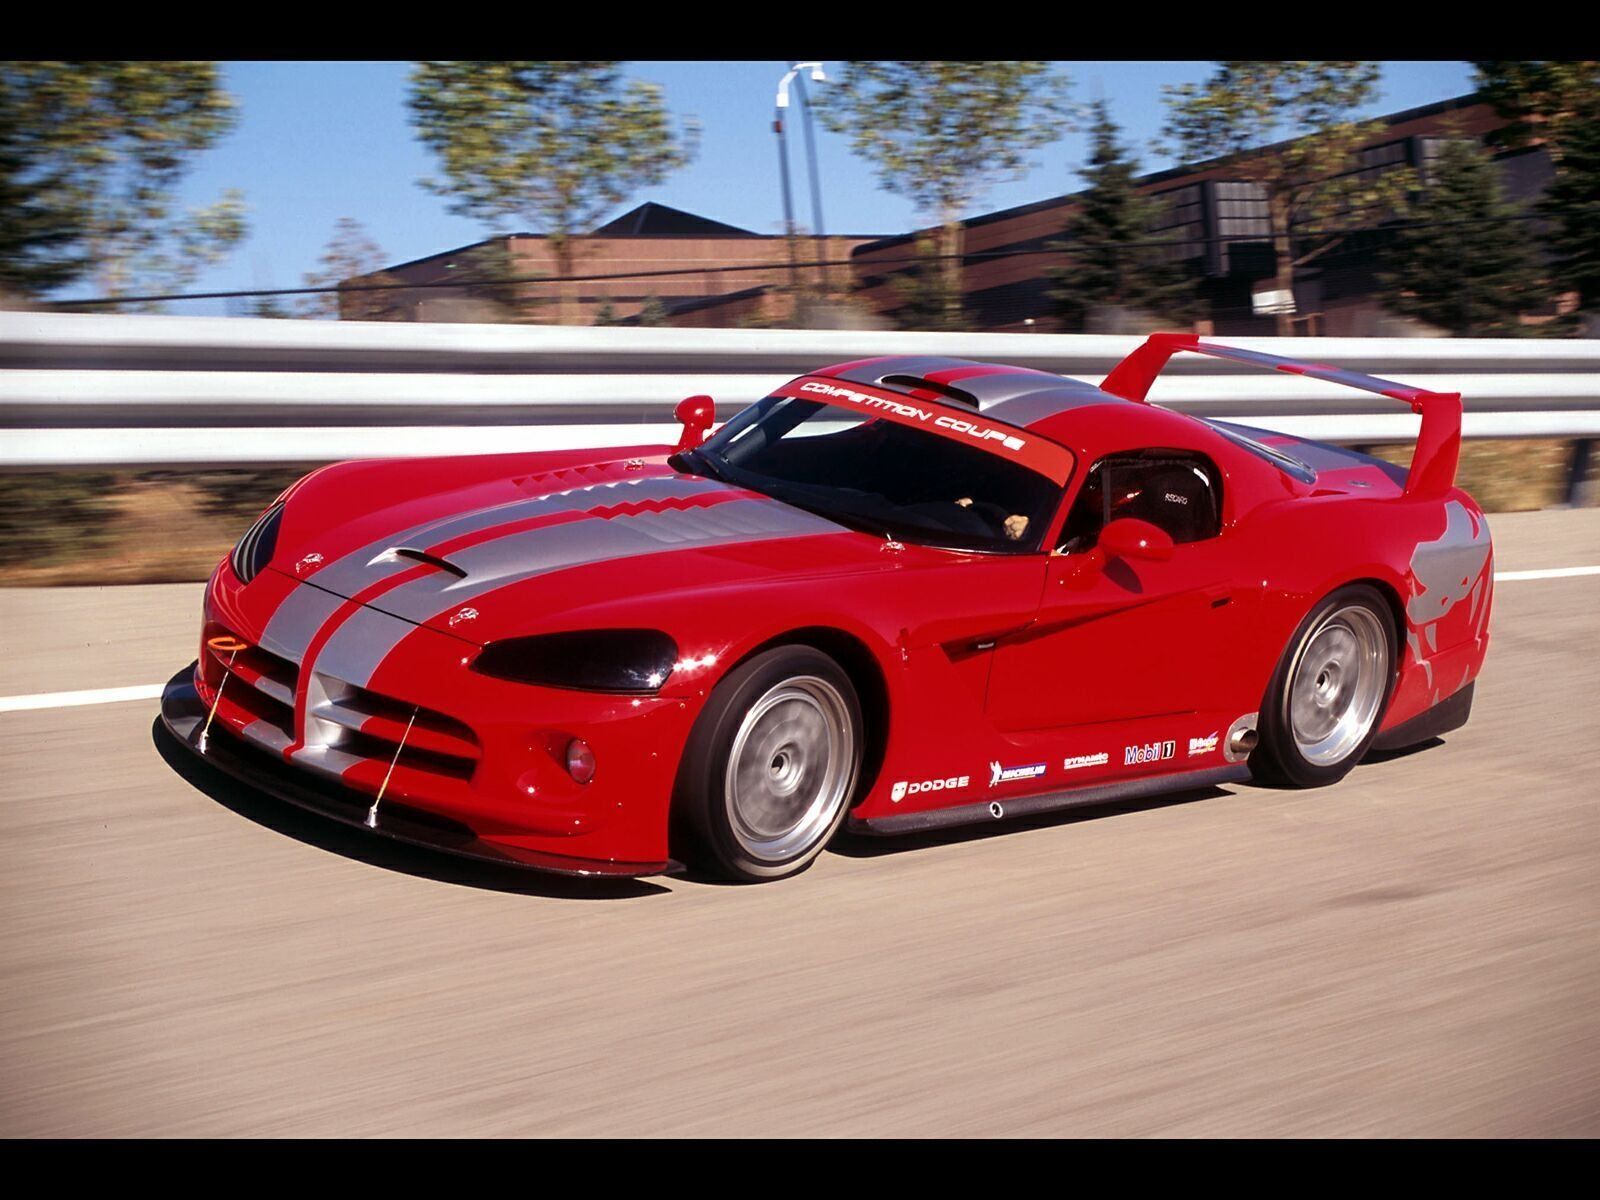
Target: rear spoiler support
(1433,463)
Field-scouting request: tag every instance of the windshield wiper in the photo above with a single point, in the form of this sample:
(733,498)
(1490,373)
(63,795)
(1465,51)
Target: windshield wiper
(702,463)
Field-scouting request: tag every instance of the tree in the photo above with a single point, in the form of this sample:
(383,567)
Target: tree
(1558,104)
(1315,190)
(1464,260)
(349,254)
(1572,205)
(108,143)
(1542,100)
(38,249)
(1110,262)
(556,144)
(942,133)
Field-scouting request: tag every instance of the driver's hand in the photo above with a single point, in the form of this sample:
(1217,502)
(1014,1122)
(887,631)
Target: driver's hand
(1016,525)
(965,502)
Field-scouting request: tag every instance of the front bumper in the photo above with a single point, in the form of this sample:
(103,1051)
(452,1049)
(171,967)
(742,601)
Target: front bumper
(183,713)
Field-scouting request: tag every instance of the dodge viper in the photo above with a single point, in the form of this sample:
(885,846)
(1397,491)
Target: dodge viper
(895,594)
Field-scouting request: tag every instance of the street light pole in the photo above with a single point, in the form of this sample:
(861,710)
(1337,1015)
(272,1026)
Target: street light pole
(780,105)
(817,232)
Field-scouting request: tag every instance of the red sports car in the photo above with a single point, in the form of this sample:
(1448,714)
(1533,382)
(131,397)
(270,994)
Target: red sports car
(900,593)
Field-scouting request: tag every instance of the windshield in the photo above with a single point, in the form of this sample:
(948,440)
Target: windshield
(880,475)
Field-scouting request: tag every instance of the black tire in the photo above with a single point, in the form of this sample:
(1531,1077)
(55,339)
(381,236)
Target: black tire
(775,711)
(1287,752)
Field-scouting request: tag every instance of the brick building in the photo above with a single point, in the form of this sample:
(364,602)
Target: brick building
(652,255)
(1203,206)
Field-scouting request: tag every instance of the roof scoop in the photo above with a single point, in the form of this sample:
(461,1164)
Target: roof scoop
(416,554)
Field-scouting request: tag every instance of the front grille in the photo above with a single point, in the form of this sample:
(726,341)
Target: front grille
(261,683)
(371,725)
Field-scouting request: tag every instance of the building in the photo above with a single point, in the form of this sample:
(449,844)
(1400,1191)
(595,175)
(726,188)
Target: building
(648,262)
(1217,218)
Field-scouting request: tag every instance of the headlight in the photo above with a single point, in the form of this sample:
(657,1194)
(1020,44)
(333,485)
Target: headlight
(589,660)
(255,548)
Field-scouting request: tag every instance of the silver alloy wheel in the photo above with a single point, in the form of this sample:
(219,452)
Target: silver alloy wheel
(1337,685)
(790,769)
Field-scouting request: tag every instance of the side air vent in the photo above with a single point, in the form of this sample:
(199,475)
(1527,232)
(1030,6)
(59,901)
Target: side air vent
(255,548)
(927,385)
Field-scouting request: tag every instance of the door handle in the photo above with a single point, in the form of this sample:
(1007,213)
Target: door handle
(1218,594)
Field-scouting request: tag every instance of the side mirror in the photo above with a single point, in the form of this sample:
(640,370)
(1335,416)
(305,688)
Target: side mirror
(696,414)
(1129,537)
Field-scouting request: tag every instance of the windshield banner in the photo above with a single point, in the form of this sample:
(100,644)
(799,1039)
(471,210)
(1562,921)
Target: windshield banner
(959,424)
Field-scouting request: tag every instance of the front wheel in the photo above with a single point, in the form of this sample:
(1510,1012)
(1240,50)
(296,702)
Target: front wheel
(1330,690)
(772,763)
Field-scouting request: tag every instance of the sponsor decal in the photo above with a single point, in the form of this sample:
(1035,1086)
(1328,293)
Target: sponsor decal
(912,787)
(1147,753)
(1202,745)
(999,774)
(465,614)
(1078,761)
(1174,498)
(308,564)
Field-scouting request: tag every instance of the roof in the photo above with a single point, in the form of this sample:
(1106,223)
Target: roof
(660,220)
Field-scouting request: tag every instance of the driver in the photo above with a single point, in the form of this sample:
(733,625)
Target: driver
(1014,525)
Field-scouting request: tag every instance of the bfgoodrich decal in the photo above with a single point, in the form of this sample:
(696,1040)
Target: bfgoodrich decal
(1202,745)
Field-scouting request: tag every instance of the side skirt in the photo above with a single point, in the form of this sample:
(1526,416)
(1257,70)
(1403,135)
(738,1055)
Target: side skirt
(1450,713)
(1025,806)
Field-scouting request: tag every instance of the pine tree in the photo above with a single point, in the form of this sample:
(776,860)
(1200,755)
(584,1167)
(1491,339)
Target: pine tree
(1110,260)
(1464,260)
(1572,205)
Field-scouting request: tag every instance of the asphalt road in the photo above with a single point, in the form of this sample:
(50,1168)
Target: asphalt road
(1413,952)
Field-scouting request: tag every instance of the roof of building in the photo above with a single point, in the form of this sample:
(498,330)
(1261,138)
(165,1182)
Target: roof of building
(661,220)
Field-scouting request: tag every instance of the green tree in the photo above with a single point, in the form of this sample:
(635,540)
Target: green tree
(1464,260)
(1539,99)
(1572,205)
(1315,190)
(556,144)
(1558,104)
(115,140)
(1110,261)
(39,248)
(942,133)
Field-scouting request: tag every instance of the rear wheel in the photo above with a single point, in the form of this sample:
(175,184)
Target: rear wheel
(772,763)
(1330,690)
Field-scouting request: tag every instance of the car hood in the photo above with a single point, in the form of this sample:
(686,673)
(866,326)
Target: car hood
(474,559)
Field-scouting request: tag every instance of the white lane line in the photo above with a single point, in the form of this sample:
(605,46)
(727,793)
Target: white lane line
(152,691)
(143,691)
(1551,573)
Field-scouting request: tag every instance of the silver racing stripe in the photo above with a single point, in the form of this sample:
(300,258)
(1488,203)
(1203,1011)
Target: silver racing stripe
(370,634)
(296,621)
(353,571)
(493,565)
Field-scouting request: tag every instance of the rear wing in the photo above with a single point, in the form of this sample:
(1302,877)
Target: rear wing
(1433,463)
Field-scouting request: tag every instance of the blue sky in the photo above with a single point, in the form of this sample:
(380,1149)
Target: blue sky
(321,140)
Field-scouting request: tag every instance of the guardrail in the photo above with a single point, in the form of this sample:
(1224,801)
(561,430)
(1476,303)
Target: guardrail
(93,390)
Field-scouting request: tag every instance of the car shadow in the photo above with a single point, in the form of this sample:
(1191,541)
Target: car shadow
(859,845)
(325,834)
(1372,758)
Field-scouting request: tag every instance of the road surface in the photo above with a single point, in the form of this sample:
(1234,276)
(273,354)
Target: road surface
(1413,952)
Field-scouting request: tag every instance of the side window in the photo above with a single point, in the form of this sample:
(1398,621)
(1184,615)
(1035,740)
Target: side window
(1175,490)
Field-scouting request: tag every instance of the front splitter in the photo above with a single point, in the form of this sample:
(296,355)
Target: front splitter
(183,714)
